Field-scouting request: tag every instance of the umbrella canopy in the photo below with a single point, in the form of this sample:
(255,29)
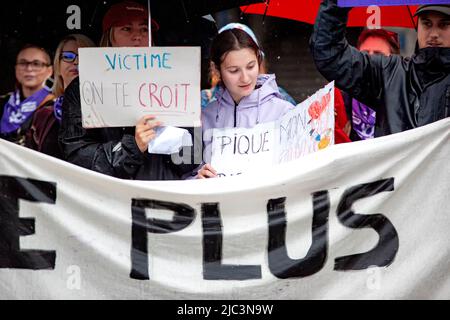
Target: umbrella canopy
(44,23)
(203,7)
(306,11)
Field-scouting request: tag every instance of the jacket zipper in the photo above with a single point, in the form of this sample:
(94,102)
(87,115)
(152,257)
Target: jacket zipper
(235,114)
(447,102)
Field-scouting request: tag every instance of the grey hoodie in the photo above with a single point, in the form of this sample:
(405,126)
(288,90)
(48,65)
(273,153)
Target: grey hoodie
(264,104)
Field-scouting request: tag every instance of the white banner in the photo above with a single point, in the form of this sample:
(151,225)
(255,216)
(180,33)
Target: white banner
(120,85)
(365,220)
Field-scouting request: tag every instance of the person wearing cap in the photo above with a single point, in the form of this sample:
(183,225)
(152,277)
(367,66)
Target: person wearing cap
(126,25)
(404,92)
(118,152)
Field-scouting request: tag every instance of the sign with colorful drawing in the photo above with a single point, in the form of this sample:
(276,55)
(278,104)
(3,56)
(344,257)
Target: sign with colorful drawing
(307,128)
(120,85)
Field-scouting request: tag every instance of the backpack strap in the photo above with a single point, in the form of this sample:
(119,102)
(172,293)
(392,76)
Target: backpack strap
(43,121)
(49,100)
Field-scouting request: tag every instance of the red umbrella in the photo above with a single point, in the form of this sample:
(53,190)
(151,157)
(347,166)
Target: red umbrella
(306,11)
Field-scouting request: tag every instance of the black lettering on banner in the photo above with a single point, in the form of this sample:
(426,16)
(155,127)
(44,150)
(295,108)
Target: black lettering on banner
(384,252)
(280,264)
(246,150)
(183,216)
(213,269)
(12,227)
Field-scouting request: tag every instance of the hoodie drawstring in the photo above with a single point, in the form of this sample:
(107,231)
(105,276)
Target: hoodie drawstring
(257,107)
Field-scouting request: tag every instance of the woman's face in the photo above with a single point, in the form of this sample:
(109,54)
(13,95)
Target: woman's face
(239,71)
(132,34)
(68,62)
(32,69)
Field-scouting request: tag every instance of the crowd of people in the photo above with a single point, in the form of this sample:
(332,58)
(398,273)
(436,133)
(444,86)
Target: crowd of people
(378,91)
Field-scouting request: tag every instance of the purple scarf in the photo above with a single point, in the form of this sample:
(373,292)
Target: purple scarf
(16,112)
(363,119)
(57,108)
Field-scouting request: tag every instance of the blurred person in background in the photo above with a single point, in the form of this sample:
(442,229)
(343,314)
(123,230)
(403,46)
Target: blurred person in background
(43,133)
(33,68)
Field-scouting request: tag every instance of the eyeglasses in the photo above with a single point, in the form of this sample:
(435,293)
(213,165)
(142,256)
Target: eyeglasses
(68,56)
(35,65)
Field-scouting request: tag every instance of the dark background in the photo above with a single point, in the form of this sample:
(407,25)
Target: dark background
(43,22)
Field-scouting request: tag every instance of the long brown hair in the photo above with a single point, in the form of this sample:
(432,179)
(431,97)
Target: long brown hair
(229,40)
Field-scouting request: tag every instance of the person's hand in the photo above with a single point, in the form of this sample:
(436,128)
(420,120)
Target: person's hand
(206,172)
(348,128)
(145,131)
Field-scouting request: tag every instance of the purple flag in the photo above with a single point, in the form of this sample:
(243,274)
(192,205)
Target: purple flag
(16,112)
(364,3)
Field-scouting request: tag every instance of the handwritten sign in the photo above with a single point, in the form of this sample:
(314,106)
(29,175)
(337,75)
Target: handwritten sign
(364,3)
(307,128)
(120,85)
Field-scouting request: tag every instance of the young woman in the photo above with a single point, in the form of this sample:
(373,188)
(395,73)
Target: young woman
(118,152)
(33,68)
(244,97)
(43,134)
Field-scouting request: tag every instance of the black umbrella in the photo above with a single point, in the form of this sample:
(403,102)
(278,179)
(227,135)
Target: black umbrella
(194,8)
(45,22)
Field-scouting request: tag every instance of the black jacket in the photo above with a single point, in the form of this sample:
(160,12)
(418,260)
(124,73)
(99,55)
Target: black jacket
(405,92)
(111,151)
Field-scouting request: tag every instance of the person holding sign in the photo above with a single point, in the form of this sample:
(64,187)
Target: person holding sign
(405,93)
(43,134)
(118,152)
(244,97)
(33,68)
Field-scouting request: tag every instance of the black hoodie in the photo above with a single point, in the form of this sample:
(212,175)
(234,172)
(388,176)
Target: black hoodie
(111,151)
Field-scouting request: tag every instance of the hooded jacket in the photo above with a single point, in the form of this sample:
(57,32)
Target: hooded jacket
(111,151)
(264,104)
(405,92)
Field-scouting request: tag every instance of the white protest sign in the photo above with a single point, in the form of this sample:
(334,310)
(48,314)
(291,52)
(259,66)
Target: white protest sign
(307,128)
(120,85)
(236,150)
